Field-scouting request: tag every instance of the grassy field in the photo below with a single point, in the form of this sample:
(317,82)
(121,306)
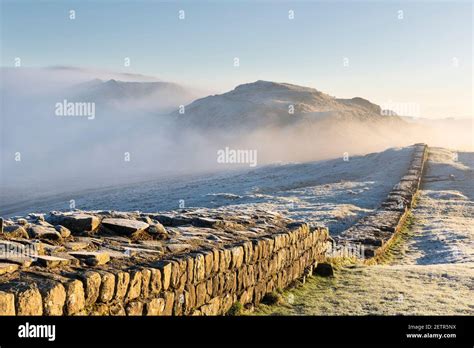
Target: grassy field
(382,290)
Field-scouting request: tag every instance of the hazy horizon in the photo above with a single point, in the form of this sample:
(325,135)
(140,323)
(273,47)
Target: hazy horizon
(386,52)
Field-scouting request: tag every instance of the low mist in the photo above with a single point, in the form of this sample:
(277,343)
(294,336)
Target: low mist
(134,140)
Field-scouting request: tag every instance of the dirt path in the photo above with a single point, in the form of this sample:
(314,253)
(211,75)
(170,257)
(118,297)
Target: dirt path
(431,273)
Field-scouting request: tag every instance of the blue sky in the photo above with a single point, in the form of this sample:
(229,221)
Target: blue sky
(411,60)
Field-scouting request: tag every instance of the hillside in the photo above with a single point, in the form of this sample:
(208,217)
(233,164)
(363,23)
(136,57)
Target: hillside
(265,103)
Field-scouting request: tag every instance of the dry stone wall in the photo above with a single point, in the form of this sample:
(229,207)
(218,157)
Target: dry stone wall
(375,231)
(187,262)
(203,281)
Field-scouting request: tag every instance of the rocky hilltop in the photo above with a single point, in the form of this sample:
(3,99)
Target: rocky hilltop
(266,103)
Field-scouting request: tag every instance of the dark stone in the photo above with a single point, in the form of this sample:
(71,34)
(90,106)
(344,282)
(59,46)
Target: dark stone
(324,270)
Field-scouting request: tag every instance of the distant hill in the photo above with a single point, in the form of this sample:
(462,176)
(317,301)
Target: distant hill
(265,103)
(156,96)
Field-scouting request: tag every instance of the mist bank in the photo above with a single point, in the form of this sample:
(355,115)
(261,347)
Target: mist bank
(133,137)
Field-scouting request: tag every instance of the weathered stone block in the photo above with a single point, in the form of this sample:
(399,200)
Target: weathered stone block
(179,300)
(124,226)
(15,231)
(100,309)
(75,297)
(237,257)
(121,285)
(29,302)
(51,261)
(201,292)
(247,246)
(155,306)
(209,287)
(190,270)
(92,258)
(209,262)
(107,287)
(169,303)
(54,297)
(215,263)
(199,268)
(146,277)
(165,269)
(134,308)
(75,222)
(227,302)
(42,232)
(91,282)
(212,307)
(8,267)
(7,303)
(155,281)
(135,285)
(256,251)
(117,309)
(178,273)
(189,298)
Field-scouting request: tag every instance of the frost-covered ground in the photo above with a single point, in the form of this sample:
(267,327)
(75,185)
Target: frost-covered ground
(443,230)
(331,192)
(433,272)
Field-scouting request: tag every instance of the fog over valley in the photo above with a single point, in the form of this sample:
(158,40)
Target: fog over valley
(66,129)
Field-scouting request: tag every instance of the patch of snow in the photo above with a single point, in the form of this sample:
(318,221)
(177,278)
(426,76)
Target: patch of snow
(444,216)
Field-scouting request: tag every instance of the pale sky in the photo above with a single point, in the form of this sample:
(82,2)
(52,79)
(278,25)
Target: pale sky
(386,51)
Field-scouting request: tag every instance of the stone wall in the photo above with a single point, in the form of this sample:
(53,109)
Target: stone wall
(204,282)
(376,231)
(187,262)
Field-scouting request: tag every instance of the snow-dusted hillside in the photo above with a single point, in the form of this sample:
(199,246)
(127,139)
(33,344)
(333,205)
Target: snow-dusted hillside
(265,103)
(333,193)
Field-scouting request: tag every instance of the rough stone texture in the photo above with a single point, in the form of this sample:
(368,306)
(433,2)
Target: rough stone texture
(107,287)
(75,222)
(124,226)
(8,268)
(92,282)
(63,231)
(15,231)
(158,230)
(42,232)
(75,297)
(135,285)
(51,261)
(210,260)
(7,303)
(121,285)
(92,258)
(54,298)
(29,302)
(134,308)
(155,306)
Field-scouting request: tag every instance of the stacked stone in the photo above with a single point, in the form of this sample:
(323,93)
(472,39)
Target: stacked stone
(375,231)
(205,282)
